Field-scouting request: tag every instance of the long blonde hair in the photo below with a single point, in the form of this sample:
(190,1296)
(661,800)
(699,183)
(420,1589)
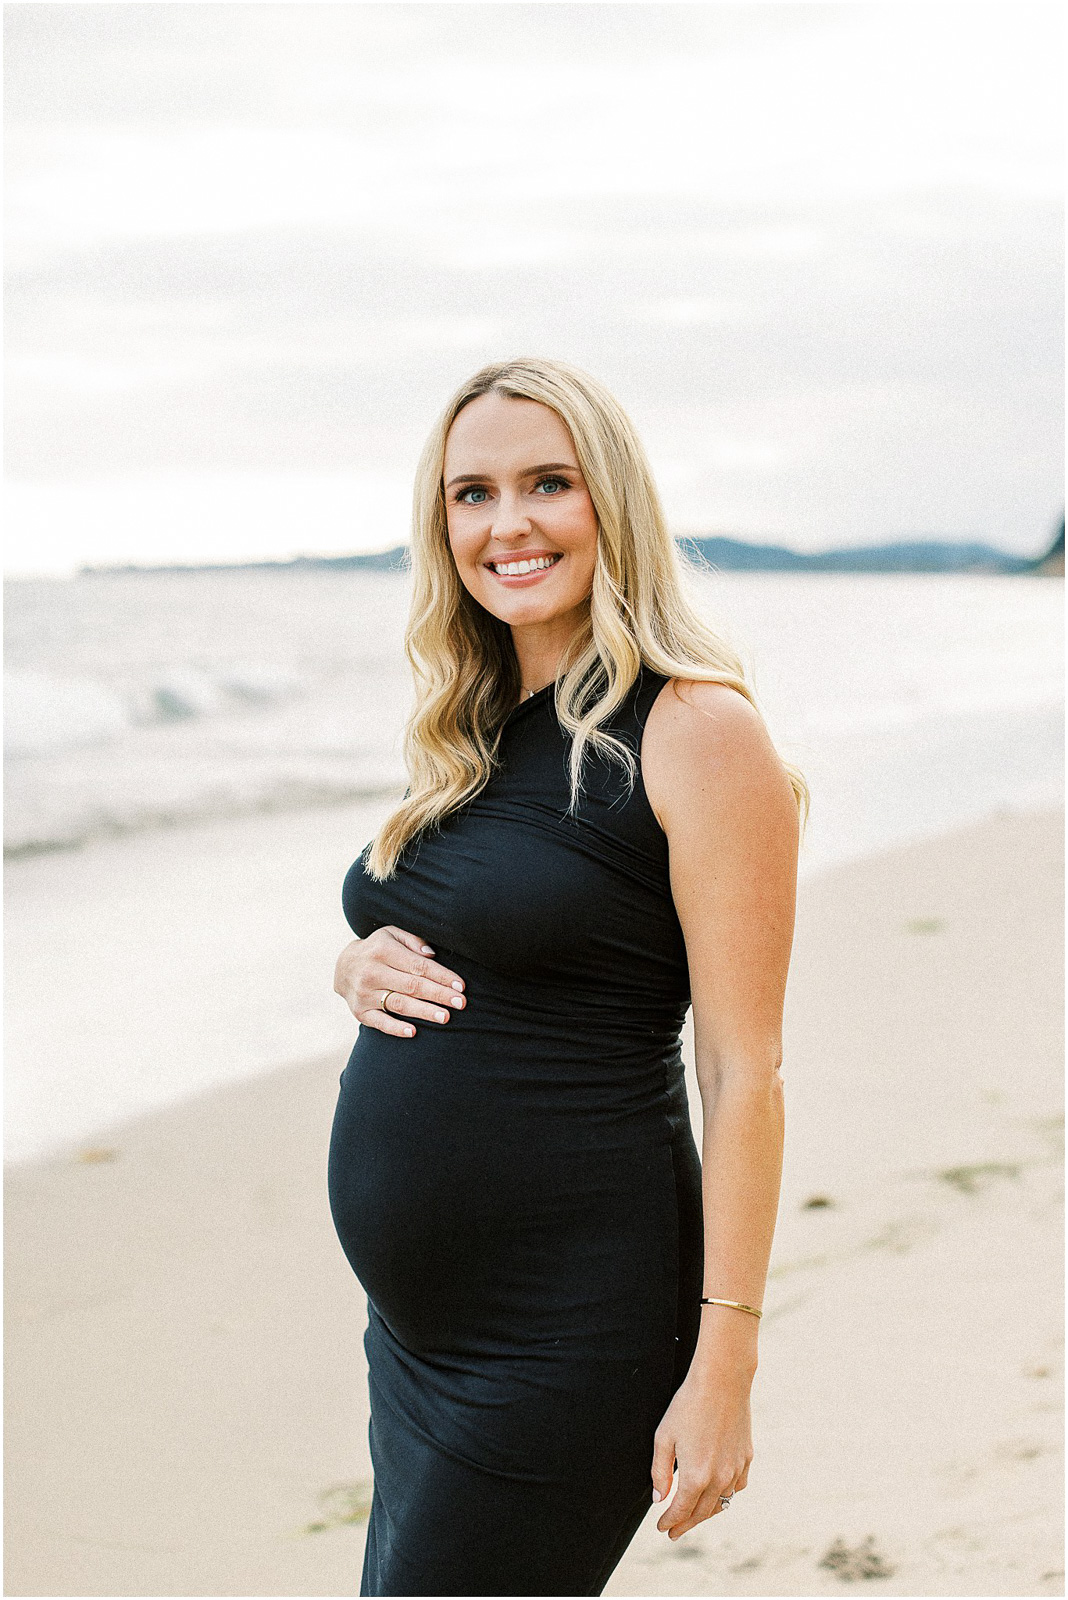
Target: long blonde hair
(462,657)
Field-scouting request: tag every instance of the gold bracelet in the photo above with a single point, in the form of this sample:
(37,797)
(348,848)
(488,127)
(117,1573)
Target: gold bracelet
(737,1304)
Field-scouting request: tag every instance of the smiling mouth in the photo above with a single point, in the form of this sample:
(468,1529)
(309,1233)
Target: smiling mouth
(521,567)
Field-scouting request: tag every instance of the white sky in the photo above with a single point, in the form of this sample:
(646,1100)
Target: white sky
(815,249)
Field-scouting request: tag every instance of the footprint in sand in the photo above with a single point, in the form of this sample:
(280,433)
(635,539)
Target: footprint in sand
(973,1179)
(903,1235)
(857,1562)
(342,1504)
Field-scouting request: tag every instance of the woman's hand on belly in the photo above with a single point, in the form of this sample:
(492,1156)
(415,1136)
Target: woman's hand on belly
(398,964)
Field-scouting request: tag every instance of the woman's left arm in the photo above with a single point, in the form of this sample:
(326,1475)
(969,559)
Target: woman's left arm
(727,806)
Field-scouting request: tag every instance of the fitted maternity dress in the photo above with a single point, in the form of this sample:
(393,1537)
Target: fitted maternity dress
(518,1190)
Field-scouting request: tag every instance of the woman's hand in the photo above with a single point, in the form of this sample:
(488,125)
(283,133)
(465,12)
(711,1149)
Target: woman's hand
(707,1429)
(391,960)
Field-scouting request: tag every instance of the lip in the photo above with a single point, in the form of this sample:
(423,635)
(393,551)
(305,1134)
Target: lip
(522,579)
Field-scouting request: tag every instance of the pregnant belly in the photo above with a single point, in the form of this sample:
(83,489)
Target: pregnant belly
(478,1191)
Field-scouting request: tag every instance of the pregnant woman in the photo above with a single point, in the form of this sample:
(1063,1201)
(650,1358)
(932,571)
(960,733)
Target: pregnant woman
(563,1299)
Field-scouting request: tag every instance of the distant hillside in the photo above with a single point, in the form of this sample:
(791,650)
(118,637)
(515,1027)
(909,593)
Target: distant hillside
(726,555)
(919,555)
(1051,565)
(395,560)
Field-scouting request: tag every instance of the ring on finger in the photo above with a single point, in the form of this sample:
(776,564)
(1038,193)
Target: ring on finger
(725,1500)
(385,996)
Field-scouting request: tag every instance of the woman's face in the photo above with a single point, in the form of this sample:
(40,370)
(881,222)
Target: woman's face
(515,499)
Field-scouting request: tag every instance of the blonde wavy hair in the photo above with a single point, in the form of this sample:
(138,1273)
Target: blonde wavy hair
(462,657)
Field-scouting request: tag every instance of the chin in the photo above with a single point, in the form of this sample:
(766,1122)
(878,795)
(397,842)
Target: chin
(522,612)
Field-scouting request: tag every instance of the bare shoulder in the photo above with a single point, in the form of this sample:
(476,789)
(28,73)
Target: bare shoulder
(707,754)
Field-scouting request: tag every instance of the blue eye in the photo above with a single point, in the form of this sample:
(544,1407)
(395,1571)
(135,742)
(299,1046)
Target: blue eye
(477,494)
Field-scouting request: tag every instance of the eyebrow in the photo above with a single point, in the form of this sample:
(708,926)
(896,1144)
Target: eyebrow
(530,472)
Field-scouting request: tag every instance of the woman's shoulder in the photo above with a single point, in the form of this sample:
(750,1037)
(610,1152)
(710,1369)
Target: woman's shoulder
(707,749)
(688,711)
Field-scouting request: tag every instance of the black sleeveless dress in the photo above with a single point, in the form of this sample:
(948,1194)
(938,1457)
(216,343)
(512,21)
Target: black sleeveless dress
(518,1189)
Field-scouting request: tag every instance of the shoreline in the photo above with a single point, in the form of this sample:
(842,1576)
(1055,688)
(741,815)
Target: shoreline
(187,1388)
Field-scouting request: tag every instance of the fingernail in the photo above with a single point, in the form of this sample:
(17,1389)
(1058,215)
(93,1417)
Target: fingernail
(425,948)
(409,1033)
(457,984)
(459,1001)
(442,1016)
(657,1496)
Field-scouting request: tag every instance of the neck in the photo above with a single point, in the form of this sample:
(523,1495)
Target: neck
(539,650)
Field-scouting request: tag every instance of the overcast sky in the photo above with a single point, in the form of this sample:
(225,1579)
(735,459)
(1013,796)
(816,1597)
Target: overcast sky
(815,250)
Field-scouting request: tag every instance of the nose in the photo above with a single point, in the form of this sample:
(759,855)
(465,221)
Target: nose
(511,521)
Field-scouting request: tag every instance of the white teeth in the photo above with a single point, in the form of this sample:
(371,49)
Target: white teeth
(518,569)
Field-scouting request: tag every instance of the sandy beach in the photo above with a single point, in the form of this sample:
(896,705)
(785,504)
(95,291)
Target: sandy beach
(186,1390)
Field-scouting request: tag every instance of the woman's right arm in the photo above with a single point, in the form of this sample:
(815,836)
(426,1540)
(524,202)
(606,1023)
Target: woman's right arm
(390,959)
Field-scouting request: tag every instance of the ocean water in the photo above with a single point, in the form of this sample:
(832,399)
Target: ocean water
(138,701)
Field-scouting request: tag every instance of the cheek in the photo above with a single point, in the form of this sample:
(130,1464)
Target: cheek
(577,529)
(463,553)
(586,542)
(580,580)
